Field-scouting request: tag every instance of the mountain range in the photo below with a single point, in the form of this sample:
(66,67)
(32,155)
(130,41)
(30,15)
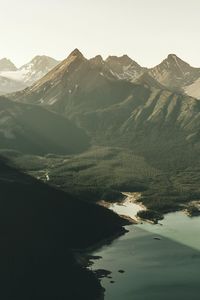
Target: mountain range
(145,114)
(172,73)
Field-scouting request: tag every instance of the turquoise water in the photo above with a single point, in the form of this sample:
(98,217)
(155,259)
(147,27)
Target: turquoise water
(163,269)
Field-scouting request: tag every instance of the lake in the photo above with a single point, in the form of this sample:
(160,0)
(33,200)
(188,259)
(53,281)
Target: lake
(160,261)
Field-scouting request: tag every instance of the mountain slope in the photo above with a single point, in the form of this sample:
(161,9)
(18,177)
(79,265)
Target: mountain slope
(32,129)
(160,125)
(147,80)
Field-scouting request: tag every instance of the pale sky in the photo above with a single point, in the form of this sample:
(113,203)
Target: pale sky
(146,30)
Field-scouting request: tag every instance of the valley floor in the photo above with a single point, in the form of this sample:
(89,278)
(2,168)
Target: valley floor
(101,173)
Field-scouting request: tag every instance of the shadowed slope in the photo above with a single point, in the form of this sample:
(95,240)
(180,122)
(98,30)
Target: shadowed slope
(32,129)
(39,227)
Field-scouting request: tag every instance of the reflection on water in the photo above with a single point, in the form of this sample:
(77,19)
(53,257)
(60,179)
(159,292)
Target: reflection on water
(163,269)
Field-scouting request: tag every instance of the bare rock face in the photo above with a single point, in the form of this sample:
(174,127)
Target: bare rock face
(124,67)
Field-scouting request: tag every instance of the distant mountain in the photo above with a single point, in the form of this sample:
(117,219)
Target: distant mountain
(37,68)
(173,72)
(32,129)
(32,71)
(8,85)
(7,65)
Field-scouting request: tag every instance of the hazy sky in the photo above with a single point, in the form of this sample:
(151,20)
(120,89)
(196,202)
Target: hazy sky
(146,30)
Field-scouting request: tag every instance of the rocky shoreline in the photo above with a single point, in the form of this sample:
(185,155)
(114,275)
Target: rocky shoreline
(84,257)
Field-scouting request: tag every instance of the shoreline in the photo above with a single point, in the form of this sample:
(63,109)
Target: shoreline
(130,198)
(84,257)
(105,241)
(136,197)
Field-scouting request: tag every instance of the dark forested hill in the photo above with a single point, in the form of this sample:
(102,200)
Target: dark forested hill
(39,228)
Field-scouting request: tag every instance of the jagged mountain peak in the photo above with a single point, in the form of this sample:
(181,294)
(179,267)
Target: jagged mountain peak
(42,61)
(38,57)
(74,59)
(27,74)
(124,67)
(42,57)
(76,53)
(67,72)
(124,59)
(34,70)
(7,65)
(176,64)
(5,59)
(172,56)
(173,72)
(174,60)
(97,60)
